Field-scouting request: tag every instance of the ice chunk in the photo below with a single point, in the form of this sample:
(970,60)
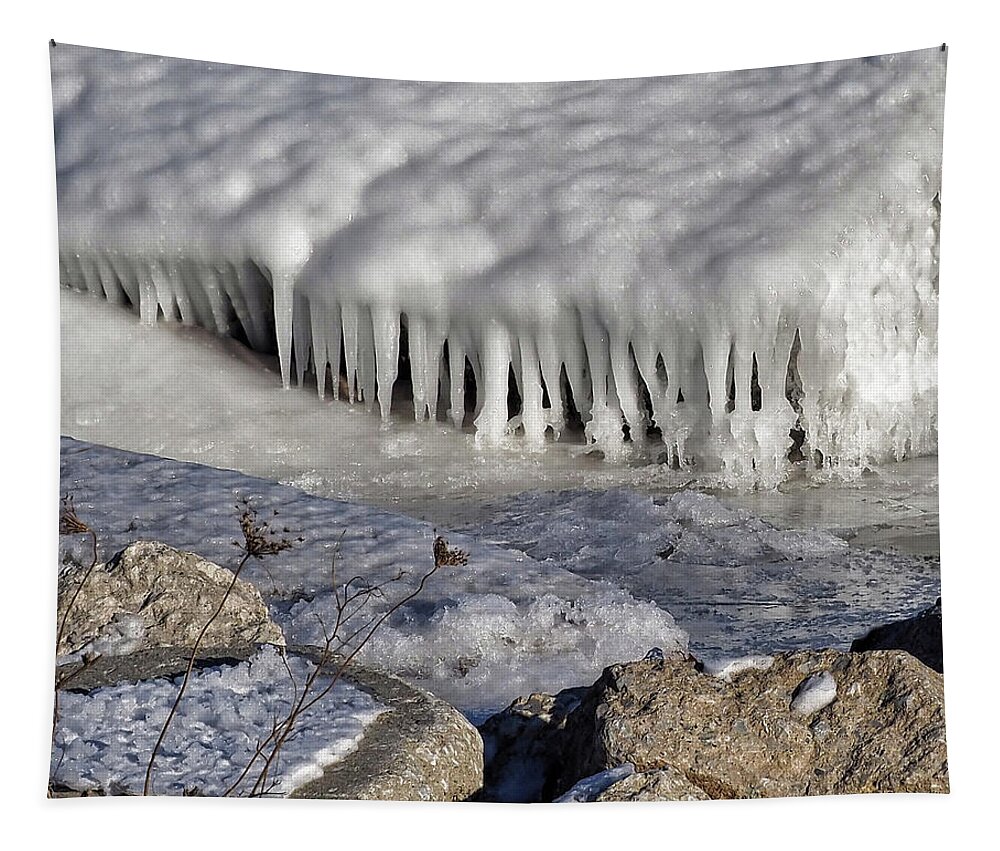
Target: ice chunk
(589,788)
(814,693)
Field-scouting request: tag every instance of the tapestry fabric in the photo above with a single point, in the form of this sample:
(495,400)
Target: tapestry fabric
(557,441)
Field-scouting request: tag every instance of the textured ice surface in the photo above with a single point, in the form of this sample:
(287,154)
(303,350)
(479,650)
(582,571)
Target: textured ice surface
(625,243)
(478,636)
(103,738)
(736,583)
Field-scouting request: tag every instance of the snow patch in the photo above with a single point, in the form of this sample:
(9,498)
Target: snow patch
(103,738)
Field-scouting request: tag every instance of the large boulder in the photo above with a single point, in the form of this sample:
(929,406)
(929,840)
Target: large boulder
(919,636)
(812,723)
(421,749)
(151,595)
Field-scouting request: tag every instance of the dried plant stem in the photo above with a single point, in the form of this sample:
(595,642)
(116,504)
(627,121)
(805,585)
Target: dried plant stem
(305,702)
(70,524)
(79,588)
(147,787)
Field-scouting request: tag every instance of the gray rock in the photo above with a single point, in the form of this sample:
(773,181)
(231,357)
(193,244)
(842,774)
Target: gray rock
(882,732)
(151,595)
(920,636)
(421,750)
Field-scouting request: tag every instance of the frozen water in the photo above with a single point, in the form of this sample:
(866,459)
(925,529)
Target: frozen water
(706,260)
(103,738)
(814,693)
(737,584)
(478,635)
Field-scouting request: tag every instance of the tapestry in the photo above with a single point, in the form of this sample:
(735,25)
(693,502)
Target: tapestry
(513,442)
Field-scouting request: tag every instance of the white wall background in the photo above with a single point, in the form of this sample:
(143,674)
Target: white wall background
(507,40)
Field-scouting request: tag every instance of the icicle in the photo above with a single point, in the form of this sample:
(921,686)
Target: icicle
(419,357)
(149,304)
(604,428)
(283,282)
(491,424)
(164,290)
(456,368)
(109,280)
(366,359)
(532,416)
(301,330)
(623,371)
(385,327)
(349,317)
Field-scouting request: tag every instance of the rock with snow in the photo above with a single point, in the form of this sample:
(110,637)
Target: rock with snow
(663,784)
(919,636)
(423,749)
(815,692)
(414,747)
(875,724)
(590,788)
(151,595)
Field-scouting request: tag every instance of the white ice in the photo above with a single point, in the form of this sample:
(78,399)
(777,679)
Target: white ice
(589,788)
(814,693)
(104,738)
(628,244)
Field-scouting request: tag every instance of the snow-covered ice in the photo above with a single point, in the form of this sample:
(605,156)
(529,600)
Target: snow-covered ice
(720,256)
(104,738)
(558,585)
(738,584)
(478,635)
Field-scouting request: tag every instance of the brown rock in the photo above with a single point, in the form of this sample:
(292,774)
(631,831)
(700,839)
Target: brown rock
(883,731)
(151,595)
(665,784)
(522,747)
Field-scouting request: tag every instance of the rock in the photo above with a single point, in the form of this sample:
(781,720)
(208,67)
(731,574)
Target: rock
(421,750)
(919,636)
(882,731)
(521,747)
(665,784)
(151,595)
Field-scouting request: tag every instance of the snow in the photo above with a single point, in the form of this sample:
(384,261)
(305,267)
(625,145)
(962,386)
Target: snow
(104,737)
(478,635)
(603,240)
(814,693)
(587,789)
(726,669)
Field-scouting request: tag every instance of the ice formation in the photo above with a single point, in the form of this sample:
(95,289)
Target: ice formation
(713,262)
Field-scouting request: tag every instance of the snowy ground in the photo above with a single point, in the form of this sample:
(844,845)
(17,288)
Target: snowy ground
(103,738)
